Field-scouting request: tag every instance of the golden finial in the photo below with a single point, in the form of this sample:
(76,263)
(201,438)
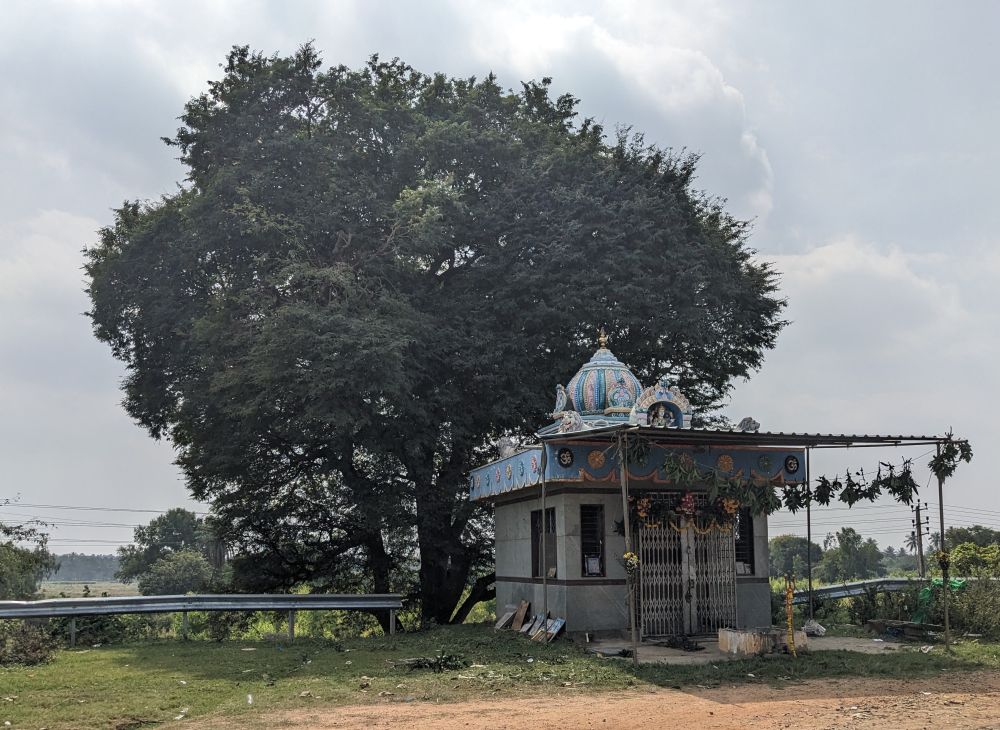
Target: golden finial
(602,338)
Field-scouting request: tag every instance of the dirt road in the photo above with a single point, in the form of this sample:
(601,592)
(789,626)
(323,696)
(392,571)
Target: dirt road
(959,700)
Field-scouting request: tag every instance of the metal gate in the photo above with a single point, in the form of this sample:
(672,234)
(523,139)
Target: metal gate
(687,579)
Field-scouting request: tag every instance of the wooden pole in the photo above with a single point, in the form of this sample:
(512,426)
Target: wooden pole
(184,624)
(629,579)
(291,626)
(943,559)
(72,631)
(392,621)
(545,558)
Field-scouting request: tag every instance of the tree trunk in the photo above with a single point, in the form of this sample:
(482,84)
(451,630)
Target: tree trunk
(443,572)
(482,590)
(380,564)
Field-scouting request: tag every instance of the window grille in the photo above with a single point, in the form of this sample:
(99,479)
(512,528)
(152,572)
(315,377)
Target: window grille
(592,539)
(744,543)
(537,569)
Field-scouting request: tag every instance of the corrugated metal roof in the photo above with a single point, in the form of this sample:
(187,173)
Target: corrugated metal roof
(720,437)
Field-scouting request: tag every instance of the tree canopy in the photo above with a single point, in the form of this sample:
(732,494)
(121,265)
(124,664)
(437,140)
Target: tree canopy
(371,274)
(977,535)
(847,555)
(24,560)
(182,571)
(789,555)
(174,531)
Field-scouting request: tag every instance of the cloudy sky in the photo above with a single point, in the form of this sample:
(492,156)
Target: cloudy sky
(861,138)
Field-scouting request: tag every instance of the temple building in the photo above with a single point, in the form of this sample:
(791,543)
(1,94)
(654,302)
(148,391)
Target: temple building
(620,484)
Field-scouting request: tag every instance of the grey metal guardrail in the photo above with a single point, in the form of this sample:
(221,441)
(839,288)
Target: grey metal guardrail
(858,588)
(288,602)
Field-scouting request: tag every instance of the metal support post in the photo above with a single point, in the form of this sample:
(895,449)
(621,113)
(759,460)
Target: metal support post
(291,626)
(392,621)
(809,559)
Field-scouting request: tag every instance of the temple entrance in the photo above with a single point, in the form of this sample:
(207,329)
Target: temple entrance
(687,579)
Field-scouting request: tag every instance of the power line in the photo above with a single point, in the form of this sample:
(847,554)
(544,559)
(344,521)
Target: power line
(63,523)
(96,509)
(971,510)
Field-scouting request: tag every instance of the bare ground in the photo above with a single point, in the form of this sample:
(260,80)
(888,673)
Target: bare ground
(953,700)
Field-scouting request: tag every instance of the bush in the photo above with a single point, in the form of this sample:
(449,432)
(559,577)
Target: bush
(976,609)
(25,643)
(219,625)
(181,572)
(112,629)
(895,605)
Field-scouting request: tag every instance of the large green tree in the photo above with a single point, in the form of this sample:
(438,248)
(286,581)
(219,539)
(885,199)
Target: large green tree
(371,274)
(790,554)
(848,556)
(176,530)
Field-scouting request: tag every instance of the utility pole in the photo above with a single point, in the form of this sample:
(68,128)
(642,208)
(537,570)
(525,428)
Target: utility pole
(918,532)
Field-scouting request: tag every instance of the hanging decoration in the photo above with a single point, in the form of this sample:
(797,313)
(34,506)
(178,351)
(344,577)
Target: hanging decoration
(726,493)
(944,464)
(756,493)
(680,511)
(894,480)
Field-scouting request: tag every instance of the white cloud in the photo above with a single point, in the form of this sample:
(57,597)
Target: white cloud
(690,104)
(883,341)
(803,121)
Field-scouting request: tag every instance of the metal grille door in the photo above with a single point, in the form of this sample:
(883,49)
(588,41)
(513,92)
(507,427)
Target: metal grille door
(687,579)
(713,605)
(661,581)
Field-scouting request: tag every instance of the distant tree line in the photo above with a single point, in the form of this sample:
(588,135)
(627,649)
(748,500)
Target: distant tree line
(78,566)
(847,555)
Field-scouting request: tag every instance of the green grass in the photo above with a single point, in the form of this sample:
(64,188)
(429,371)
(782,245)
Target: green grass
(155,681)
(74,588)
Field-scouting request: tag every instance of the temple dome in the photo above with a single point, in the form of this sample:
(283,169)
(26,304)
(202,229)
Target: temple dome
(603,386)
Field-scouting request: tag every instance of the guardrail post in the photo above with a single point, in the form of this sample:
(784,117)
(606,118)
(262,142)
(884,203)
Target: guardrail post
(184,624)
(72,631)
(392,621)
(291,626)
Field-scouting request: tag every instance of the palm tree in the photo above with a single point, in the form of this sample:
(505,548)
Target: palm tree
(910,543)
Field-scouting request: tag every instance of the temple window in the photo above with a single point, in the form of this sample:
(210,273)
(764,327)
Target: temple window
(592,540)
(537,567)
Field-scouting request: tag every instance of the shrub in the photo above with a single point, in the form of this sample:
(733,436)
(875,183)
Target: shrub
(112,629)
(181,572)
(976,609)
(222,625)
(896,605)
(25,643)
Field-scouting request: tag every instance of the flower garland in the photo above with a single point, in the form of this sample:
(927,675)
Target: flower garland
(673,512)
